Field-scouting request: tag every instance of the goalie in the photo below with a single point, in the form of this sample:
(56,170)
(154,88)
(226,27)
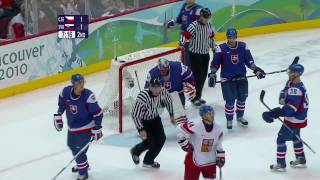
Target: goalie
(178,80)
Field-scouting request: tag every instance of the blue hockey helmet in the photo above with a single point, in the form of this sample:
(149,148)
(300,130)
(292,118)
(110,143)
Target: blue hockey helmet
(164,66)
(205,109)
(76,78)
(232,33)
(296,68)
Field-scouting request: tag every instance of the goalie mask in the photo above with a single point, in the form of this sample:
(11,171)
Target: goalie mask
(164,66)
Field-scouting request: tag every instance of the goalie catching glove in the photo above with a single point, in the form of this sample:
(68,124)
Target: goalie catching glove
(189,90)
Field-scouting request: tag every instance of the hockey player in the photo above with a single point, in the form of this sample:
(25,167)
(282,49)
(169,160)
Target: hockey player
(294,101)
(233,57)
(189,12)
(202,141)
(175,77)
(84,118)
(148,122)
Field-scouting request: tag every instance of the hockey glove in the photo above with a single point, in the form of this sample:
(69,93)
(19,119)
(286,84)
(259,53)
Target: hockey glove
(269,116)
(185,145)
(169,23)
(96,132)
(282,98)
(259,73)
(220,159)
(58,123)
(212,79)
(189,90)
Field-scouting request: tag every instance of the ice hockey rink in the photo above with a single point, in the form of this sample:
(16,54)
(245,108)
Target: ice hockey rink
(31,148)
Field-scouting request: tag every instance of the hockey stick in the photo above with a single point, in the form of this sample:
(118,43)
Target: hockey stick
(75,157)
(295,61)
(220,174)
(135,72)
(262,94)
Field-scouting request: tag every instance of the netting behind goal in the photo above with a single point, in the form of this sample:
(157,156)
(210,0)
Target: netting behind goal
(125,78)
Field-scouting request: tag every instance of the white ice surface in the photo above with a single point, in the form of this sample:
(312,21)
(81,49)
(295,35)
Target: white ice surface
(31,149)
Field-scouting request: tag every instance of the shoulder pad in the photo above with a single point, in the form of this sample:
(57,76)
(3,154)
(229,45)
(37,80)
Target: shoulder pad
(92,98)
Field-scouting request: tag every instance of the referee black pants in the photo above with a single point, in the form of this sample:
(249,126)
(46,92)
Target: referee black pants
(199,66)
(154,142)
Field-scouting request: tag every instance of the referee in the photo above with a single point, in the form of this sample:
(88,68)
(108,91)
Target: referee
(200,34)
(148,122)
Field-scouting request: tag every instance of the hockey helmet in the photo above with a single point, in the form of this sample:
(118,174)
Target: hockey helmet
(296,68)
(155,82)
(232,33)
(164,66)
(75,78)
(205,109)
(205,12)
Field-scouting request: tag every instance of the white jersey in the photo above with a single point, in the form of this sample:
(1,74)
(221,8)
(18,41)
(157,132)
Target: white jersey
(205,144)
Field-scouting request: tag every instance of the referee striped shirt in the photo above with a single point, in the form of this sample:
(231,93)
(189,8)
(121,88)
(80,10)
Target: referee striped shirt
(200,36)
(146,106)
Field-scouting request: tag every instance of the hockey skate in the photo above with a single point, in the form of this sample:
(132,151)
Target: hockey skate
(75,169)
(202,101)
(135,158)
(229,125)
(155,165)
(278,168)
(196,102)
(298,163)
(83,177)
(242,121)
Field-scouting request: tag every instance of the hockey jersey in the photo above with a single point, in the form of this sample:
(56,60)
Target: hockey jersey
(82,113)
(187,15)
(296,104)
(178,75)
(233,61)
(205,144)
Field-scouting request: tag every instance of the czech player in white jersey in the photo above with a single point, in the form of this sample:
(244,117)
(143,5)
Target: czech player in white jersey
(202,140)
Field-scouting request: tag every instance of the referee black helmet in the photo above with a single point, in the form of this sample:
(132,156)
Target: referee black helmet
(155,82)
(205,12)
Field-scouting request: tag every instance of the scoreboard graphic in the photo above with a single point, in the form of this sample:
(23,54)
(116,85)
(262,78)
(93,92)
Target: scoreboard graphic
(73,26)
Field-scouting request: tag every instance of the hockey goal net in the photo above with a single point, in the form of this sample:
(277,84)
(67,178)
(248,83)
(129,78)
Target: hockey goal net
(125,78)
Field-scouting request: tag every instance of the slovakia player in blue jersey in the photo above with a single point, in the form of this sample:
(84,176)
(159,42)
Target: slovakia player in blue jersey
(189,12)
(84,117)
(175,77)
(294,101)
(233,57)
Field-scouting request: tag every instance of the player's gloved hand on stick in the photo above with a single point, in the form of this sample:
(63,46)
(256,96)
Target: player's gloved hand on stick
(259,73)
(212,79)
(169,23)
(220,158)
(189,90)
(269,116)
(96,132)
(58,123)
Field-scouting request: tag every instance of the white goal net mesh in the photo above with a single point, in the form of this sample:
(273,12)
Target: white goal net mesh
(126,76)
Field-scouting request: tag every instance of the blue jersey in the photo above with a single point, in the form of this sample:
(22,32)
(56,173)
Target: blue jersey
(296,104)
(233,61)
(187,15)
(178,75)
(82,112)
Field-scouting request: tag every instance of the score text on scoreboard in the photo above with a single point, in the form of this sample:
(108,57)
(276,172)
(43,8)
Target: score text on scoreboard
(73,26)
